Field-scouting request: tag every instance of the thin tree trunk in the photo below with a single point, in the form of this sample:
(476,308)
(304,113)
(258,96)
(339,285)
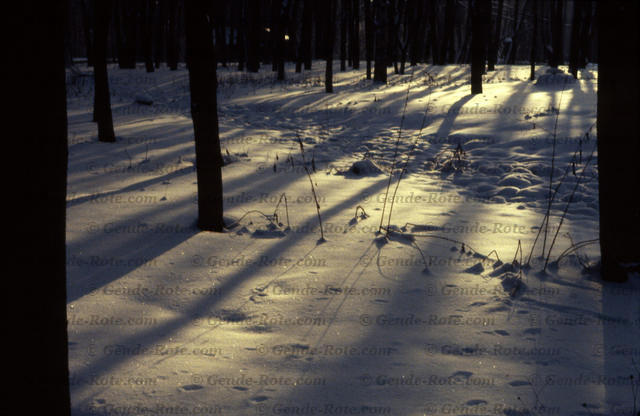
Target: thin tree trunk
(344,19)
(201,62)
(307,30)
(576,45)
(534,41)
(495,39)
(618,139)
(368,34)
(448,44)
(102,104)
(434,41)
(557,34)
(87,18)
(172,35)
(416,30)
(585,35)
(354,49)
(278,38)
(330,24)
(149,6)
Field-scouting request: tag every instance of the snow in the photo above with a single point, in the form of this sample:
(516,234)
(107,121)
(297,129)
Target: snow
(438,318)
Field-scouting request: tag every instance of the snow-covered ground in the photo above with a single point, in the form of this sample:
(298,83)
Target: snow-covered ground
(265,319)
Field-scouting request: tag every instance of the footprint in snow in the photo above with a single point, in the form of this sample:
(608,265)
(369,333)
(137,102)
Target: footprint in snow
(463,374)
(477,268)
(259,399)
(191,387)
(478,304)
(502,332)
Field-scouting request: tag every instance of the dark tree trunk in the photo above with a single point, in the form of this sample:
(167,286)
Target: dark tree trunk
(416,30)
(576,28)
(495,39)
(402,33)
(160,39)
(43,351)
(585,35)
(448,45)
(514,35)
(392,37)
(149,11)
(618,141)
(534,41)
(172,35)
(330,25)
(344,22)
(241,38)
(381,33)
(368,35)
(253,36)
(305,38)
(201,62)
(354,47)
(102,100)
(219,18)
(434,41)
(87,18)
(278,38)
(126,13)
(479,12)
(557,34)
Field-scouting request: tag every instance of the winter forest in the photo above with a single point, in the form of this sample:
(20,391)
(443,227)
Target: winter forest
(329,207)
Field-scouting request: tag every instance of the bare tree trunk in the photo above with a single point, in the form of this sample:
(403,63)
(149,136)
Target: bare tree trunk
(381,33)
(201,62)
(618,141)
(220,29)
(434,40)
(354,47)
(149,11)
(479,12)
(43,350)
(368,34)
(344,21)
(102,100)
(534,41)
(448,44)
(87,18)
(585,35)
(557,34)
(576,45)
(278,38)
(307,30)
(253,35)
(172,35)
(495,40)
(330,24)
(416,30)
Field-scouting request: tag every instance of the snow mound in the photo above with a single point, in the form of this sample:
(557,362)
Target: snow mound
(144,99)
(554,77)
(364,167)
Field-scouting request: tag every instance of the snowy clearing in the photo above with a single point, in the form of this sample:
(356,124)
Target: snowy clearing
(264,320)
